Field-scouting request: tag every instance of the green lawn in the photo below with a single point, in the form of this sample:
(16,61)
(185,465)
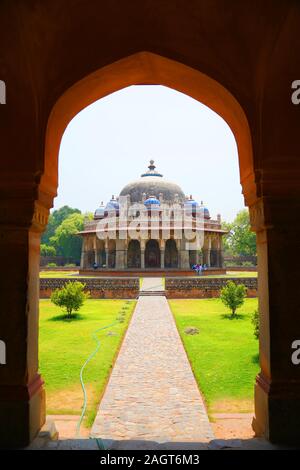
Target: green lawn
(241,273)
(65,345)
(70,274)
(234,274)
(64,274)
(224,355)
(59,273)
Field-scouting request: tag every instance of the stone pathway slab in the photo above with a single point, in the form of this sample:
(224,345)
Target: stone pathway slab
(152,394)
(152,284)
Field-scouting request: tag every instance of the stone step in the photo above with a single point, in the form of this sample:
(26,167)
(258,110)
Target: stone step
(152,293)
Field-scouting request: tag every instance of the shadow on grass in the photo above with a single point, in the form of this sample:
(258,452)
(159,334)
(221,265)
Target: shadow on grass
(237,316)
(63,317)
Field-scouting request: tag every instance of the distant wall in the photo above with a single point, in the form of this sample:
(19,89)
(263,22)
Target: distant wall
(239,260)
(242,268)
(201,288)
(100,288)
(58,260)
(59,268)
(148,272)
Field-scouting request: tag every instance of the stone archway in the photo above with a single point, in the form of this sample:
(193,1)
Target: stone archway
(236,82)
(152,254)
(101,254)
(192,257)
(134,254)
(171,254)
(111,254)
(140,68)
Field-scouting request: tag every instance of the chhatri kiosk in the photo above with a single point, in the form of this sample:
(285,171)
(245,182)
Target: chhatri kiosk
(150,233)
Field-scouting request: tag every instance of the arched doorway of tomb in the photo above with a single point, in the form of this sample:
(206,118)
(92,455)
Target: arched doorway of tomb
(90,253)
(101,254)
(214,254)
(152,254)
(171,254)
(134,254)
(192,257)
(111,254)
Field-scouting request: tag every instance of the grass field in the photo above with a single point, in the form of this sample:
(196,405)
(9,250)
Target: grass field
(58,273)
(234,274)
(224,355)
(65,345)
(64,274)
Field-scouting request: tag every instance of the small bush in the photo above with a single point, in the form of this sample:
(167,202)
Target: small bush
(47,250)
(233,296)
(70,297)
(51,265)
(247,264)
(255,323)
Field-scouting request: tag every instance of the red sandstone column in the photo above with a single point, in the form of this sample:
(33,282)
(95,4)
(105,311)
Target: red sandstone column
(22,398)
(277,390)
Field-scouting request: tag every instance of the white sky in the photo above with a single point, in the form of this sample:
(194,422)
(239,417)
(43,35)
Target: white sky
(111,142)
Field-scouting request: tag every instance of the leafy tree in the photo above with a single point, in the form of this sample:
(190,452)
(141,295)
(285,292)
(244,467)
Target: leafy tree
(233,296)
(66,239)
(47,250)
(227,239)
(55,219)
(240,241)
(70,297)
(255,323)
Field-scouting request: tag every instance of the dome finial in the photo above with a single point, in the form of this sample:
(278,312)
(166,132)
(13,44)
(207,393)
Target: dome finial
(151,166)
(151,170)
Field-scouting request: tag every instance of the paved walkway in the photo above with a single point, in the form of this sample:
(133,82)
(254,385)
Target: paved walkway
(152,394)
(152,284)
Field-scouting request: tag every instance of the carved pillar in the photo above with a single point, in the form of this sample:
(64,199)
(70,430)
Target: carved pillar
(120,254)
(142,259)
(277,390)
(184,255)
(83,254)
(106,254)
(221,252)
(22,397)
(162,254)
(142,254)
(208,252)
(96,257)
(177,241)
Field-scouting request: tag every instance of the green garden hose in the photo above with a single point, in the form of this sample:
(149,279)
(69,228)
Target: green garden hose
(91,356)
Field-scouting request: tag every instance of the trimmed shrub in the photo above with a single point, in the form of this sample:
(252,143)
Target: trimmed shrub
(70,297)
(233,296)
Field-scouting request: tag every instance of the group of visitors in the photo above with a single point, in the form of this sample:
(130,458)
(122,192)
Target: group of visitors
(199,268)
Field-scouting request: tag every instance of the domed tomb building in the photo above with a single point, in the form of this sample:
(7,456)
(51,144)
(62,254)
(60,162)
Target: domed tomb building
(151,225)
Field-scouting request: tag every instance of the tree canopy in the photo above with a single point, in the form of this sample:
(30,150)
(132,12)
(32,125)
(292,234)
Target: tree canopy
(66,239)
(61,236)
(240,241)
(55,219)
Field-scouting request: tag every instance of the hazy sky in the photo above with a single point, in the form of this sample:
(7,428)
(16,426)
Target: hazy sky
(111,142)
